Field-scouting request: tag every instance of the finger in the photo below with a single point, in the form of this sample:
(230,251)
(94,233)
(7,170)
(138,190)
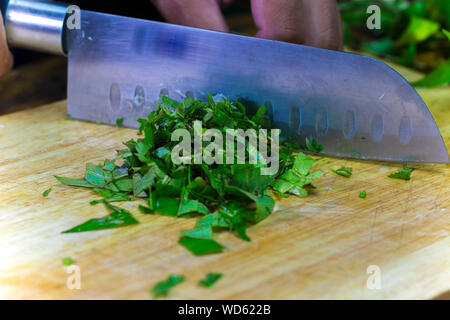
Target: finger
(203,14)
(322,25)
(6,60)
(310,22)
(278,20)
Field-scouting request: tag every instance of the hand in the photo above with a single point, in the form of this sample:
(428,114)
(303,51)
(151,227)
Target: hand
(311,22)
(6,59)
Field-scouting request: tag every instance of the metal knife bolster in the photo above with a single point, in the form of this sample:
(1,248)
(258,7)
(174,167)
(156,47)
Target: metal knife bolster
(35,25)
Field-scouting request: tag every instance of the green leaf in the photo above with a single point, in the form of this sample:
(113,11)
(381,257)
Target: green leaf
(407,59)
(191,206)
(296,178)
(167,206)
(110,196)
(418,30)
(124,184)
(119,122)
(249,178)
(97,176)
(363,194)
(404,174)
(438,77)
(74,182)
(202,231)
(46,192)
(200,246)
(383,46)
(210,279)
(446,33)
(170,102)
(141,185)
(68,261)
(162,288)
(313,146)
(257,118)
(343,171)
(118,218)
(146,210)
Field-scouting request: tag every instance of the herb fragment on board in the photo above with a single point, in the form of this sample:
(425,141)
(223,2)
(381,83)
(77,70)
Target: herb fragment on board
(68,261)
(294,180)
(119,122)
(118,218)
(47,192)
(162,288)
(404,173)
(210,279)
(313,146)
(363,194)
(343,171)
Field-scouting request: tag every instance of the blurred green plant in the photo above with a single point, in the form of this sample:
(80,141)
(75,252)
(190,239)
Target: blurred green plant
(413,34)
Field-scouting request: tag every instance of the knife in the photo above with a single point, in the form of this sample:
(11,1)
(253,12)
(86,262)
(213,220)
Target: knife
(355,106)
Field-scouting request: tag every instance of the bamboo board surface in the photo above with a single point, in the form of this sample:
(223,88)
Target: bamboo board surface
(313,248)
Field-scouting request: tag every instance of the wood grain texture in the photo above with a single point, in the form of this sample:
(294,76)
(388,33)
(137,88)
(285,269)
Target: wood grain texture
(318,247)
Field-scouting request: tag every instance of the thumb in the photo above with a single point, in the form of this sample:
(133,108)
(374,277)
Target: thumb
(6,59)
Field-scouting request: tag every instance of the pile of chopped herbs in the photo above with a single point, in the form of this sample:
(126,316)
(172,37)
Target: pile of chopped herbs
(221,196)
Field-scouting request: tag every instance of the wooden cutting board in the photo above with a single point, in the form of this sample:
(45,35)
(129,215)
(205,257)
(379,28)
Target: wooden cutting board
(319,247)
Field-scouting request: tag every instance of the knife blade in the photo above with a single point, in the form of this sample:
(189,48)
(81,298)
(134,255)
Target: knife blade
(355,106)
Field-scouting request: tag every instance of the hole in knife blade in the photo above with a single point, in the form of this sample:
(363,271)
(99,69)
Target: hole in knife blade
(139,97)
(114,96)
(126,107)
(269,110)
(190,94)
(164,92)
(322,122)
(377,127)
(405,130)
(294,119)
(349,124)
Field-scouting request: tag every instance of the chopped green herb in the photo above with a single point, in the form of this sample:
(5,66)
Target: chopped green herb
(446,33)
(343,171)
(363,194)
(119,122)
(74,182)
(404,174)
(210,279)
(222,196)
(200,246)
(162,288)
(67,261)
(118,218)
(47,192)
(313,146)
(294,180)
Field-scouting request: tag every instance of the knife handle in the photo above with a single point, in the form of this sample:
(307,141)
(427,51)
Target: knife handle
(35,25)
